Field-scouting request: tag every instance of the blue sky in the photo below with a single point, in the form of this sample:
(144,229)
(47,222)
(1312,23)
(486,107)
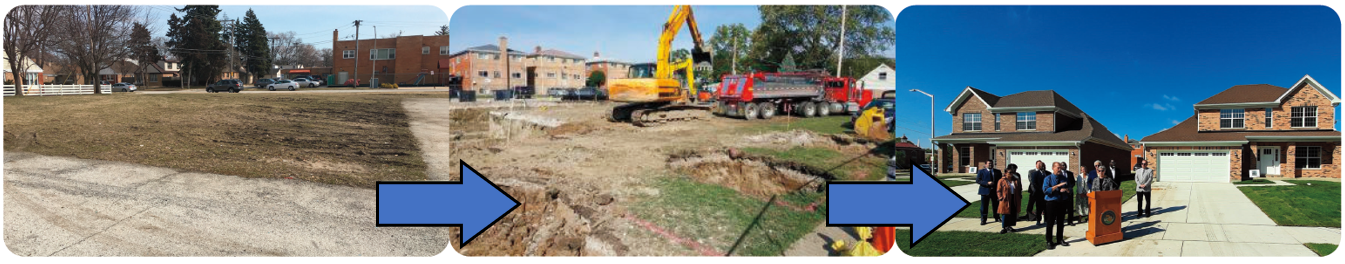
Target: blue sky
(314,23)
(628,33)
(1137,69)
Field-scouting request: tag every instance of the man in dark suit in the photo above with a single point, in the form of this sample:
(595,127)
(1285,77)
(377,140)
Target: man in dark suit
(985,177)
(1035,204)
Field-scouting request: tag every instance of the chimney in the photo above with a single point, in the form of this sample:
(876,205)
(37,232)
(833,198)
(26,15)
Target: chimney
(538,49)
(334,33)
(1127,138)
(504,48)
(595,55)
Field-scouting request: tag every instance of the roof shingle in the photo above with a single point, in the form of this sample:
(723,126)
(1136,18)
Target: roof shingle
(1247,93)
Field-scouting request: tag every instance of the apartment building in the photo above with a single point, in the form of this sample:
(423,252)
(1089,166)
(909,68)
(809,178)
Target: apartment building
(611,68)
(485,68)
(420,59)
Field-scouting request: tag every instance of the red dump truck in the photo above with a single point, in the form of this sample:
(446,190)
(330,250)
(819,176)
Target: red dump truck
(806,94)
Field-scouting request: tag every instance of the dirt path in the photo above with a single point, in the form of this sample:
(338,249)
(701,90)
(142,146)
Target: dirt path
(429,119)
(58,206)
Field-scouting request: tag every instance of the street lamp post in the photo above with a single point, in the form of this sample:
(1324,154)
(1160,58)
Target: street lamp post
(931,122)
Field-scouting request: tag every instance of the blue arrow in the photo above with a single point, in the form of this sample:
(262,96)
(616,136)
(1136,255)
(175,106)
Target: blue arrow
(474,203)
(924,204)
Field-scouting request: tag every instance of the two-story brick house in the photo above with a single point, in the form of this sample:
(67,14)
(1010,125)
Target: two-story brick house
(1023,128)
(1272,130)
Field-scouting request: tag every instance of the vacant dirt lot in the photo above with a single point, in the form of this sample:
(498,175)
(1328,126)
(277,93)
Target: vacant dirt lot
(593,187)
(345,139)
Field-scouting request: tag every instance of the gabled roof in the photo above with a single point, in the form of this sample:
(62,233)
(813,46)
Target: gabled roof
(1043,100)
(1262,95)
(1188,131)
(1079,131)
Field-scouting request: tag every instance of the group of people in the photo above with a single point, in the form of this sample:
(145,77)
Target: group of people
(1057,195)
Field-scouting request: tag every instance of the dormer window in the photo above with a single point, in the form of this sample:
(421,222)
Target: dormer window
(1231,119)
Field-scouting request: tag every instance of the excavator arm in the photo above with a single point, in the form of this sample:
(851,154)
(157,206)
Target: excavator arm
(681,15)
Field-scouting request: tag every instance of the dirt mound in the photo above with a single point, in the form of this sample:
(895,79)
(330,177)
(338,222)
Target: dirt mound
(756,176)
(576,129)
(469,116)
(552,220)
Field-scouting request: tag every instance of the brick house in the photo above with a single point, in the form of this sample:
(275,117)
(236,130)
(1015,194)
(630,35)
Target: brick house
(1023,128)
(611,69)
(483,68)
(1272,130)
(419,55)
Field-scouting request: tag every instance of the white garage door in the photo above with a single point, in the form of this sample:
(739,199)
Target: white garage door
(1027,159)
(1193,166)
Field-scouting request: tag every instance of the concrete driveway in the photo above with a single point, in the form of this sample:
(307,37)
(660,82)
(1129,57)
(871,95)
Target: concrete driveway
(58,206)
(1190,219)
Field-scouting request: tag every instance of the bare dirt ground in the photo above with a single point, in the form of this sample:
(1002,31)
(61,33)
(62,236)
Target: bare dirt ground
(577,179)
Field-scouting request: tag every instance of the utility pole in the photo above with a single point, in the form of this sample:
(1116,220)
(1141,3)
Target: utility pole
(373,63)
(841,56)
(734,64)
(357,53)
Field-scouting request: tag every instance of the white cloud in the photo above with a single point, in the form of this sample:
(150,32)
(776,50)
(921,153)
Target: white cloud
(1174,121)
(1171,98)
(1159,107)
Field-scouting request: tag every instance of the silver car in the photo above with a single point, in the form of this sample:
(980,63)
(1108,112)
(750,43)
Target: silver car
(124,87)
(282,84)
(304,82)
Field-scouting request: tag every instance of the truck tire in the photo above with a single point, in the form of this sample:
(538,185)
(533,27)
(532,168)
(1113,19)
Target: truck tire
(809,109)
(824,109)
(750,111)
(767,110)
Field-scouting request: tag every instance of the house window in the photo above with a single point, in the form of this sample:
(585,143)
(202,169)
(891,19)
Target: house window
(551,75)
(483,74)
(497,74)
(382,54)
(1303,116)
(516,75)
(1309,157)
(1231,118)
(882,76)
(971,122)
(1269,118)
(443,50)
(965,158)
(996,121)
(1026,121)
(345,54)
(424,50)
(153,78)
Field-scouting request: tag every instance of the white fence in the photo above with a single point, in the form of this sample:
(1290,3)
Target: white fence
(44,90)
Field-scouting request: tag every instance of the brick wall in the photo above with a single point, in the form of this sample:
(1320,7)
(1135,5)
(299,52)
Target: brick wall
(408,62)
(974,105)
(1255,117)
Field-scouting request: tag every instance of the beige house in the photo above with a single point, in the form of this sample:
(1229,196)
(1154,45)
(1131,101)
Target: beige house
(485,68)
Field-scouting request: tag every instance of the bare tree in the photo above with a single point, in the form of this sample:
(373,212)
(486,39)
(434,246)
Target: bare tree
(326,54)
(94,36)
(27,29)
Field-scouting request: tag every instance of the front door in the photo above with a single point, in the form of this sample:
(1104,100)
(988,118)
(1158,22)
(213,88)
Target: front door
(1269,161)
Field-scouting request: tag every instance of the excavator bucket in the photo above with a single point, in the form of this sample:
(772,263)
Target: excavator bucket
(699,55)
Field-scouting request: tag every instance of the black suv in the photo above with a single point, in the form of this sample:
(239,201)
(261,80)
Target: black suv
(226,85)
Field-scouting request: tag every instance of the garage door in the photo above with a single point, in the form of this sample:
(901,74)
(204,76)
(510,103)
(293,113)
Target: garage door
(1193,166)
(1027,159)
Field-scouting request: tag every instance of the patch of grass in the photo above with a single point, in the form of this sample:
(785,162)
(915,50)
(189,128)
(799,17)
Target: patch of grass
(825,125)
(865,167)
(1254,181)
(964,243)
(1128,190)
(341,139)
(1322,249)
(716,216)
(945,181)
(1302,204)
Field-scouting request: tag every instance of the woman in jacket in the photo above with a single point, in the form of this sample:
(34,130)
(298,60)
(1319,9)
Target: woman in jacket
(1010,193)
(1104,182)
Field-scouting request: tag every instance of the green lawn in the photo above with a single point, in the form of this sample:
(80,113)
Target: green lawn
(1302,204)
(865,167)
(824,125)
(945,181)
(1322,249)
(965,243)
(716,216)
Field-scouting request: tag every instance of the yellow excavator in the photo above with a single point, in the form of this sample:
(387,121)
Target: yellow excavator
(655,96)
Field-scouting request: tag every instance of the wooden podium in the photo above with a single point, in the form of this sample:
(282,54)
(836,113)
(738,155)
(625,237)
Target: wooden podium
(1104,219)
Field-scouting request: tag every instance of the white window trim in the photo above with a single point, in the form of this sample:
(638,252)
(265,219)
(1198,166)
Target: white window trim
(345,54)
(1319,157)
(978,123)
(1269,118)
(1232,118)
(443,50)
(1315,117)
(425,50)
(1028,114)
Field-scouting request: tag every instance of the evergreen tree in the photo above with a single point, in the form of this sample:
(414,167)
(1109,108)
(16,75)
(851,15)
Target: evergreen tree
(197,39)
(252,44)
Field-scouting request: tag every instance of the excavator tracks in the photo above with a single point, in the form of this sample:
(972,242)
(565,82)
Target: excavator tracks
(648,115)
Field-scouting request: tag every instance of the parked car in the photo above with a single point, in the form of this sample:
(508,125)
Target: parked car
(317,79)
(524,92)
(124,87)
(282,84)
(555,92)
(262,83)
(892,169)
(226,85)
(589,93)
(305,82)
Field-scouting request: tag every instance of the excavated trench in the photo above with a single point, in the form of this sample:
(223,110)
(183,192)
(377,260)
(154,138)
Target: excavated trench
(554,219)
(756,176)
